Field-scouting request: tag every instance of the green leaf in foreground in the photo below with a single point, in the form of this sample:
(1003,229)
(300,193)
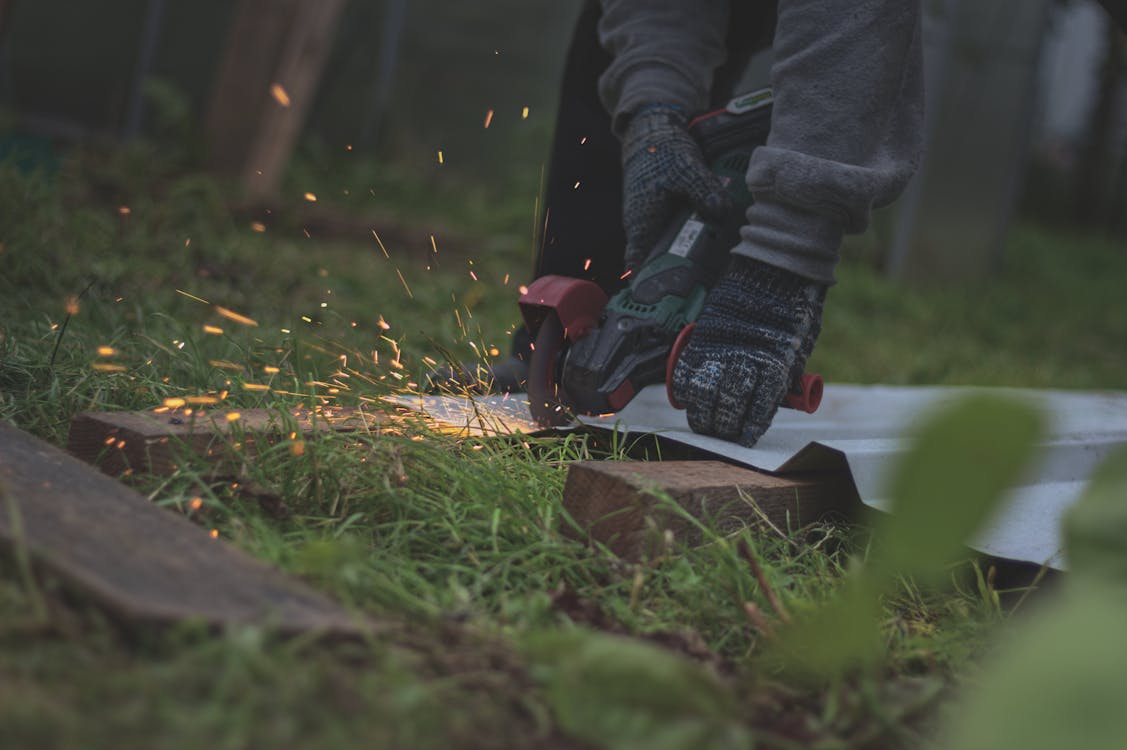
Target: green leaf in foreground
(1062,679)
(961,461)
(1060,682)
(624,694)
(1096,527)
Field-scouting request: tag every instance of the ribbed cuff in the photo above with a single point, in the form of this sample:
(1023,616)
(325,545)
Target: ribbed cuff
(795,239)
(647,83)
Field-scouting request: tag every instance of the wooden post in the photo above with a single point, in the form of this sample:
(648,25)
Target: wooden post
(275,54)
(616,503)
(952,221)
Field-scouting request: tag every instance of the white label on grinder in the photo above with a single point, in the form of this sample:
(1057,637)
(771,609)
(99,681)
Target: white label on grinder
(686,238)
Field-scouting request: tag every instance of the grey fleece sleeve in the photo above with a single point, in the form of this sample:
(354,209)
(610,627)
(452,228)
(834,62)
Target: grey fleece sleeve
(846,129)
(662,51)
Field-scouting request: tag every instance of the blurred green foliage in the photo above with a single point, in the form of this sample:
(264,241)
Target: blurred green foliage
(1059,676)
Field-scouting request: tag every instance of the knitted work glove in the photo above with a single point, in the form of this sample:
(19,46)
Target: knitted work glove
(752,339)
(662,167)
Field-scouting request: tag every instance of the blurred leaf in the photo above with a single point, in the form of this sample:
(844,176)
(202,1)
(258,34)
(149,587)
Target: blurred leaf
(962,460)
(839,636)
(1095,529)
(1060,683)
(621,693)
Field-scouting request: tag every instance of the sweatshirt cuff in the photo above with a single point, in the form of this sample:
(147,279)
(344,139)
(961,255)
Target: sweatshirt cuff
(795,239)
(652,83)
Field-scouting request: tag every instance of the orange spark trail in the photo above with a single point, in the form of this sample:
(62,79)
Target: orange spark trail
(232,315)
(404,282)
(380,243)
(192,296)
(279,94)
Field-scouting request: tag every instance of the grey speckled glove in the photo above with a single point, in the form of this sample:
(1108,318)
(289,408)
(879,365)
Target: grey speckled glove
(752,339)
(662,167)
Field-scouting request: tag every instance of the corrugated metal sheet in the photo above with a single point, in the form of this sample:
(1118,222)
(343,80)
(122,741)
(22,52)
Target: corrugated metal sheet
(865,427)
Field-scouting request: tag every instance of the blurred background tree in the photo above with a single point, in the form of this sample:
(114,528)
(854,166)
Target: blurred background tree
(1027,102)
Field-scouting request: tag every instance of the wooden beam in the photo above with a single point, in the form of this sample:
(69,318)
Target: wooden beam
(144,564)
(271,43)
(616,503)
(299,71)
(156,443)
(242,85)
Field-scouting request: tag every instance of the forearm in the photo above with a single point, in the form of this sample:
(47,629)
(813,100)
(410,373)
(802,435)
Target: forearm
(846,131)
(663,51)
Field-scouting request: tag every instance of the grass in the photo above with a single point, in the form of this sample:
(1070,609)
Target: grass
(454,540)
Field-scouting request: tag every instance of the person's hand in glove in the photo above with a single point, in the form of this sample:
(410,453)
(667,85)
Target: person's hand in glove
(751,341)
(662,168)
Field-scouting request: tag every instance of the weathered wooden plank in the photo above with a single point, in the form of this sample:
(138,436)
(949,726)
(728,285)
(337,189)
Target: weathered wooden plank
(142,563)
(616,502)
(155,443)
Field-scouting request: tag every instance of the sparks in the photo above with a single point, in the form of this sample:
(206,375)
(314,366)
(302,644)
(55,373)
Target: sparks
(192,296)
(107,351)
(488,118)
(196,504)
(108,367)
(440,159)
(383,324)
(223,364)
(279,94)
(380,243)
(473,275)
(232,315)
(174,403)
(524,113)
(256,387)
(202,400)
(213,330)
(214,533)
(311,197)
(124,210)
(628,272)
(522,289)
(404,282)
(575,186)
(297,448)
(270,369)
(234,416)
(587,264)
(258,226)
(71,305)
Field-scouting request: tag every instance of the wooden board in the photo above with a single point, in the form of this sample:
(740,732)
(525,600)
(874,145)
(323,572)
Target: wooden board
(616,502)
(142,563)
(150,442)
